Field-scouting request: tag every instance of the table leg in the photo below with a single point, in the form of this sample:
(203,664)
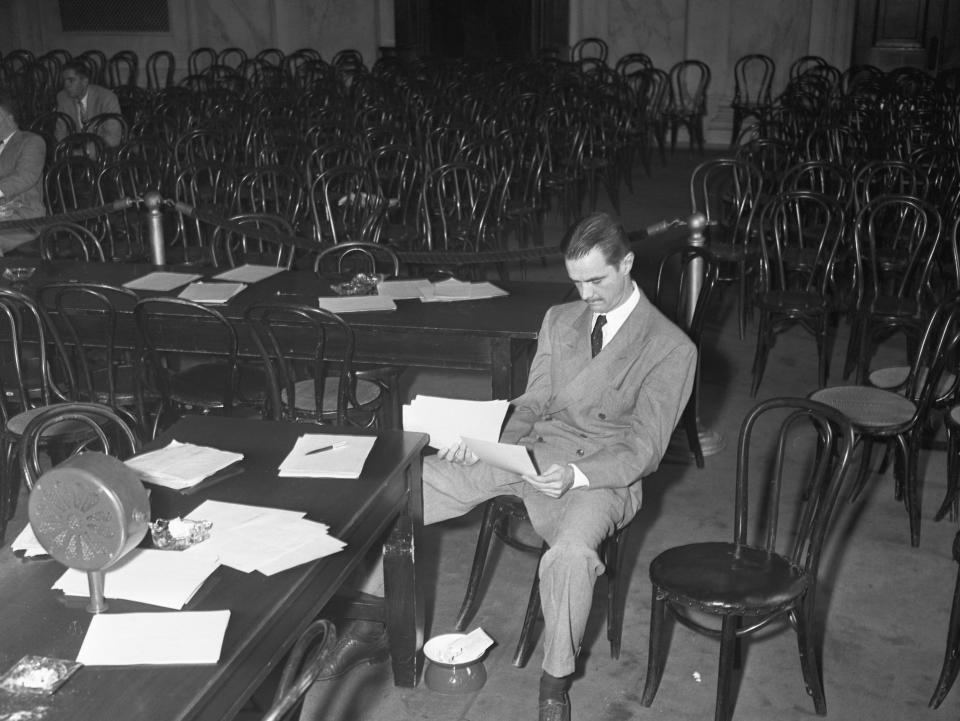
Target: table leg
(404,597)
(509,363)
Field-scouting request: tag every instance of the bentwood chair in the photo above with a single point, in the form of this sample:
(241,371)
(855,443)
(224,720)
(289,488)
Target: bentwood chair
(231,247)
(752,79)
(951,657)
(321,384)
(70,241)
(689,82)
(302,667)
(345,206)
(768,574)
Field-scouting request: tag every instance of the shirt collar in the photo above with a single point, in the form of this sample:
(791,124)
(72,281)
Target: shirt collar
(618,316)
(4,141)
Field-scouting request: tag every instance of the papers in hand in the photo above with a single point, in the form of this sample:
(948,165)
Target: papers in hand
(269,540)
(160,578)
(356,303)
(344,461)
(181,465)
(447,420)
(161,280)
(211,293)
(137,639)
(507,456)
(248,273)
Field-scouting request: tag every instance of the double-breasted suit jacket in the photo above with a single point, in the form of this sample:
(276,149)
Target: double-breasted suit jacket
(21,182)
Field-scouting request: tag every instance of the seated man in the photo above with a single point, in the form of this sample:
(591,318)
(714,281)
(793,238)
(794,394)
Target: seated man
(83,101)
(607,386)
(22,155)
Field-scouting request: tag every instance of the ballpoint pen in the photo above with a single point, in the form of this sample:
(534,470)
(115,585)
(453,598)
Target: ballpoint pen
(331,447)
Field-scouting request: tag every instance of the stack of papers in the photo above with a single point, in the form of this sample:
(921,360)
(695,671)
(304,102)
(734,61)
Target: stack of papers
(27,542)
(444,291)
(405,289)
(344,460)
(211,293)
(181,465)
(248,273)
(356,303)
(160,578)
(447,420)
(268,540)
(137,639)
(161,280)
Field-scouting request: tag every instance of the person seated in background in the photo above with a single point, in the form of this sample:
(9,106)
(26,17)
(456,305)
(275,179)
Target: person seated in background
(83,101)
(22,155)
(606,388)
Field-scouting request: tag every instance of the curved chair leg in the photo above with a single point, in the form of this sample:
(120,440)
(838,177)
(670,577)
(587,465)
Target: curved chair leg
(951,657)
(912,493)
(657,652)
(863,475)
(762,351)
(823,354)
(728,654)
(809,657)
(612,559)
(525,644)
(693,431)
(949,504)
(469,605)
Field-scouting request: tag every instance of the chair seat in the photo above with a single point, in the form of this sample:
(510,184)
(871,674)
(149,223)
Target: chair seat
(892,307)
(896,376)
(793,301)
(869,408)
(65,431)
(305,400)
(203,385)
(722,578)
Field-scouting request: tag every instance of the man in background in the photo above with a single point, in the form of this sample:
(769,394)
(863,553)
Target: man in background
(83,101)
(22,155)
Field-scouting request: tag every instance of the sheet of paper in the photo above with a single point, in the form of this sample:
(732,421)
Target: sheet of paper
(181,465)
(344,462)
(356,303)
(160,578)
(230,515)
(211,293)
(509,457)
(138,639)
(249,273)
(453,290)
(27,542)
(161,280)
(403,289)
(446,420)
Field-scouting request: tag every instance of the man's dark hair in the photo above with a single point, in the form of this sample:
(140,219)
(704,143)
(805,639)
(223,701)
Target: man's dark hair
(598,230)
(9,103)
(77,66)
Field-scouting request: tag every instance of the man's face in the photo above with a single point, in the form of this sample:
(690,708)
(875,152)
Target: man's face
(602,286)
(75,85)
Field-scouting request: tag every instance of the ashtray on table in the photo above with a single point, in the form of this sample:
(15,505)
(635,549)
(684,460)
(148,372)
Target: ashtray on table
(360,284)
(18,273)
(176,534)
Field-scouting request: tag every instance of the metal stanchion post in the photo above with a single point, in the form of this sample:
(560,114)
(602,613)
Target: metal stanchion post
(711,442)
(152,201)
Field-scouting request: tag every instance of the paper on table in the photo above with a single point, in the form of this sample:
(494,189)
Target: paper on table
(447,420)
(211,293)
(161,280)
(403,289)
(509,457)
(356,303)
(345,462)
(27,542)
(161,578)
(181,465)
(137,639)
(453,289)
(248,273)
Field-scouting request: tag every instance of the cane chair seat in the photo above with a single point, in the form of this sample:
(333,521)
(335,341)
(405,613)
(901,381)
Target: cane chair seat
(869,408)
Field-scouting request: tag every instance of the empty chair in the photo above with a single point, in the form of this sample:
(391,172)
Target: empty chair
(232,247)
(951,658)
(689,82)
(752,77)
(274,189)
(345,206)
(160,67)
(123,69)
(767,573)
(589,48)
(69,241)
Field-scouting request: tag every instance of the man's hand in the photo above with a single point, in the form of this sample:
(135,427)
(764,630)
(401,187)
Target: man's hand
(458,453)
(554,482)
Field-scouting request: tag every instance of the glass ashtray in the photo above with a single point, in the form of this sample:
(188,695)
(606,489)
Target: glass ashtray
(38,675)
(18,274)
(360,284)
(176,534)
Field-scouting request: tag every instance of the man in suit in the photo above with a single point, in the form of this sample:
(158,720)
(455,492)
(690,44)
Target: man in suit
(607,386)
(22,155)
(83,101)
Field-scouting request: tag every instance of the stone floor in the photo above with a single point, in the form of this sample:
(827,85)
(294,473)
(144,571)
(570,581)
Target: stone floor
(884,606)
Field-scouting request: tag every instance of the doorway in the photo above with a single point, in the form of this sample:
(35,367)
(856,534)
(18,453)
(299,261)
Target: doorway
(907,33)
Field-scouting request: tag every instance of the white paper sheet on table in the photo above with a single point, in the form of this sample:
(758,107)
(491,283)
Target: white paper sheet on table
(404,289)
(211,293)
(27,542)
(447,420)
(453,290)
(248,273)
(181,465)
(161,578)
(509,457)
(139,639)
(356,303)
(345,462)
(161,280)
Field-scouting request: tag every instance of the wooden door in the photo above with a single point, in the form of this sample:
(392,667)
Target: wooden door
(906,33)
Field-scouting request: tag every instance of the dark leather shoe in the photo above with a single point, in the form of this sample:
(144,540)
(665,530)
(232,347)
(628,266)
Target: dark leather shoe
(555,709)
(352,650)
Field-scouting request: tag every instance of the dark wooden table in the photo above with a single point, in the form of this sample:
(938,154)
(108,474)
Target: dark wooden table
(267,613)
(495,335)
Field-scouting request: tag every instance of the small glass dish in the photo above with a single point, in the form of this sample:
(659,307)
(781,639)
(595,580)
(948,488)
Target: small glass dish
(176,534)
(360,284)
(18,273)
(37,675)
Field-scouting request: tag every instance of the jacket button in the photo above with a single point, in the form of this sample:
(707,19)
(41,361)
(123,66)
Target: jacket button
(583,435)
(539,439)
(548,417)
(579,451)
(602,416)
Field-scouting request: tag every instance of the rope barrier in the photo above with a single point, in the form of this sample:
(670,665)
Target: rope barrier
(72,216)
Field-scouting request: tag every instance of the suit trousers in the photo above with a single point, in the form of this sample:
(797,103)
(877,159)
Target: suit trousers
(573,525)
